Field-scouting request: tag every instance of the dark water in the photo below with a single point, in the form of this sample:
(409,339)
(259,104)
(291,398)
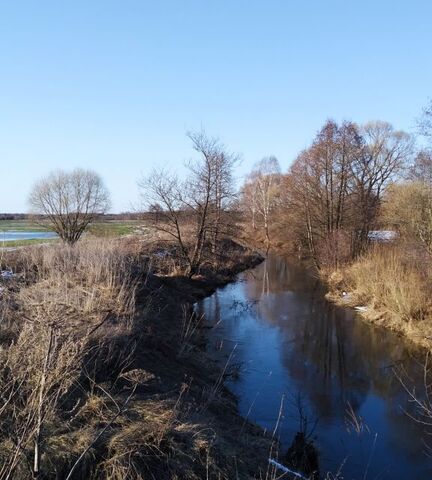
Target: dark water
(295,349)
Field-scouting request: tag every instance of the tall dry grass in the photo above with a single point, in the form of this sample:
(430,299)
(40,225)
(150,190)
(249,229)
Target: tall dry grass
(93,387)
(65,301)
(391,280)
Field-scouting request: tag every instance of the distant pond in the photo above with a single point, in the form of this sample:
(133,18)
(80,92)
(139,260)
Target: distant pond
(11,235)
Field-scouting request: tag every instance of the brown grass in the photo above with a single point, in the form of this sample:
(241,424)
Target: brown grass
(94,355)
(394,283)
(386,279)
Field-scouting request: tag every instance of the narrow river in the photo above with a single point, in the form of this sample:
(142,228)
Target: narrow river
(295,352)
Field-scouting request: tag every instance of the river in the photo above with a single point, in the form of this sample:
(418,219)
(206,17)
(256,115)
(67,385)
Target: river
(296,352)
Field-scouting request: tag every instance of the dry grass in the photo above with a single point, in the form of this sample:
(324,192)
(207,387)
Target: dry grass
(394,283)
(386,279)
(66,295)
(93,359)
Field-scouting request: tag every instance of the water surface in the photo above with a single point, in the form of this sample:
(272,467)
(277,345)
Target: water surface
(11,235)
(294,349)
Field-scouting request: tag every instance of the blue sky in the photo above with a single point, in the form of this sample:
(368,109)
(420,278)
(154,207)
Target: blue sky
(114,85)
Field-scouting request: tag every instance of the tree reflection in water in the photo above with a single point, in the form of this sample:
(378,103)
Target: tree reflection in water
(291,341)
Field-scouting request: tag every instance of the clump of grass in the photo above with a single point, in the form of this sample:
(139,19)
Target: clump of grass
(387,279)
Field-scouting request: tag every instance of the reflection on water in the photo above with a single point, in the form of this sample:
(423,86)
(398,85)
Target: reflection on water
(297,349)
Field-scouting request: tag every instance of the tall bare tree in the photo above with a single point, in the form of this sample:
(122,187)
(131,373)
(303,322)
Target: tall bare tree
(69,201)
(317,190)
(202,199)
(261,192)
(331,196)
(212,184)
(383,157)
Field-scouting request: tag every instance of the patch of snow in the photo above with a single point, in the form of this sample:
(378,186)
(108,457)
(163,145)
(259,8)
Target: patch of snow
(382,236)
(7,274)
(361,309)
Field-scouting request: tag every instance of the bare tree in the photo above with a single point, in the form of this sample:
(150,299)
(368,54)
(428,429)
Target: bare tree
(69,201)
(383,157)
(421,169)
(166,190)
(424,123)
(202,199)
(408,207)
(213,182)
(331,197)
(315,199)
(262,191)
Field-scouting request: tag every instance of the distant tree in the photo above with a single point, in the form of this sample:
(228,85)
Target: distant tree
(424,123)
(69,201)
(421,169)
(261,193)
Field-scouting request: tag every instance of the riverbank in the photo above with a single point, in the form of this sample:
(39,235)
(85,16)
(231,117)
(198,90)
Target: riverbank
(297,352)
(149,402)
(388,288)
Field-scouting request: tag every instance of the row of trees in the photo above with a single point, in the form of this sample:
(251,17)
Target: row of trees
(195,212)
(324,207)
(351,180)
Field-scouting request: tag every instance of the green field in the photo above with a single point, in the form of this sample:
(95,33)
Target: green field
(114,228)
(20,226)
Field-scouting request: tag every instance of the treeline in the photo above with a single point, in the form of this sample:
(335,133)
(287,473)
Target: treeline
(352,179)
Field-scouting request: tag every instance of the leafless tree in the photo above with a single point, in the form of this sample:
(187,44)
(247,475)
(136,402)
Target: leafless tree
(331,197)
(212,186)
(421,169)
(383,157)
(424,123)
(408,207)
(261,192)
(167,191)
(69,201)
(202,199)
(316,191)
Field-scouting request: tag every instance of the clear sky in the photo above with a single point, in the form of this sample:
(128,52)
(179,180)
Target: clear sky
(114,85)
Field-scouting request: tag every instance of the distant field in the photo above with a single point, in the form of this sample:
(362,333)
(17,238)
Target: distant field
(113,228)
(20,226)
(108,228)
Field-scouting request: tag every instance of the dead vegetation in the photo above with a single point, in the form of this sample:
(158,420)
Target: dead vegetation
(102,375)
(391,283)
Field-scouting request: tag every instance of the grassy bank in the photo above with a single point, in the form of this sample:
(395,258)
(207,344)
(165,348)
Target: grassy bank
(104,369)
(391,284)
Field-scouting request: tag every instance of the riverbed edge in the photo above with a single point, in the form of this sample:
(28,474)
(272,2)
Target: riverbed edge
(247,442)
(369,313)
